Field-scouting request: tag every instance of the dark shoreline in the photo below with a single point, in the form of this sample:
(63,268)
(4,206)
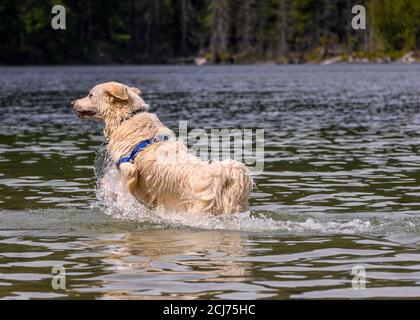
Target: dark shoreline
(208,64)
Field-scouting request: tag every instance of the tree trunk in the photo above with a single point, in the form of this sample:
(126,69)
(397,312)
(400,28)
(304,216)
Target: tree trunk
(245,28)
(184,26)
(282,50)
(220,29)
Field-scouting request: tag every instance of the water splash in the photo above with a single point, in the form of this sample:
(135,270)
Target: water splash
(116,202)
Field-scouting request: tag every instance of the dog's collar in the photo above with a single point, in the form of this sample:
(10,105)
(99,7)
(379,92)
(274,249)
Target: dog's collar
(141,146)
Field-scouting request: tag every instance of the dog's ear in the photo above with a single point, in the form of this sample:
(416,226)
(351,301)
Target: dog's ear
(136,100)
(119,92)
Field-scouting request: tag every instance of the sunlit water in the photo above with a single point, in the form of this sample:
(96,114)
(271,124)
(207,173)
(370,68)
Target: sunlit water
(340,186)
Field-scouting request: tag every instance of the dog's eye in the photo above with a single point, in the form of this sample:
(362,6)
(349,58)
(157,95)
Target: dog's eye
(90,95)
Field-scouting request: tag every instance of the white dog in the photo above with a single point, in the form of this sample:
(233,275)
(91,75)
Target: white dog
(158,170)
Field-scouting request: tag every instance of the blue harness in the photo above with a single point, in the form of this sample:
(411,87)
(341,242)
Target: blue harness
(141,146)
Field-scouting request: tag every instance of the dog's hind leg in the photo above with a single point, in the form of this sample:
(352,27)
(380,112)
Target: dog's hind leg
(129,175)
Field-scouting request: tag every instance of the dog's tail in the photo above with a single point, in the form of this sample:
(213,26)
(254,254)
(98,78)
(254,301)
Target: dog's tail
(237,186)
(224,187)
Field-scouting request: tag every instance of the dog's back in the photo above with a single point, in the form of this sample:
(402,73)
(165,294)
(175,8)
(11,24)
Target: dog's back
(168,175)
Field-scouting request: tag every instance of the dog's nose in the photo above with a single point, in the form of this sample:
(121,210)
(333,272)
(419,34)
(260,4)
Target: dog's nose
(72,103)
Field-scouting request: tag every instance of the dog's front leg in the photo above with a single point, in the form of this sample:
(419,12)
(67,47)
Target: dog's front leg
(129,175)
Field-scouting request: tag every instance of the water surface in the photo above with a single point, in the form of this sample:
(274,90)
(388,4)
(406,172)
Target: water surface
(340,186)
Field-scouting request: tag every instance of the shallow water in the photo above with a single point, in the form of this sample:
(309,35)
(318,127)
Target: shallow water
(340,186)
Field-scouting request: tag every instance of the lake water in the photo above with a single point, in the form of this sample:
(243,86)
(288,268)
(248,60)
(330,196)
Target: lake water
(340,187)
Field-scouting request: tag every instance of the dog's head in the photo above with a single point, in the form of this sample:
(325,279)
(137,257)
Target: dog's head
(110,101)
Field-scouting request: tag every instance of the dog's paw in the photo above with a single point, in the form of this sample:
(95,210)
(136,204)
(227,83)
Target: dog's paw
(126,167)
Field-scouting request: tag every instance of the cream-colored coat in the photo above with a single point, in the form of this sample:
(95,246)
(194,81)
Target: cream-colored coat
(164,174)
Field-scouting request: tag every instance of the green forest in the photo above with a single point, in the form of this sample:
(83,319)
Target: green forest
(217,31)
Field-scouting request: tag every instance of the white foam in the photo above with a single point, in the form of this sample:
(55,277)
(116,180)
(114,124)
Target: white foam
(119,204)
